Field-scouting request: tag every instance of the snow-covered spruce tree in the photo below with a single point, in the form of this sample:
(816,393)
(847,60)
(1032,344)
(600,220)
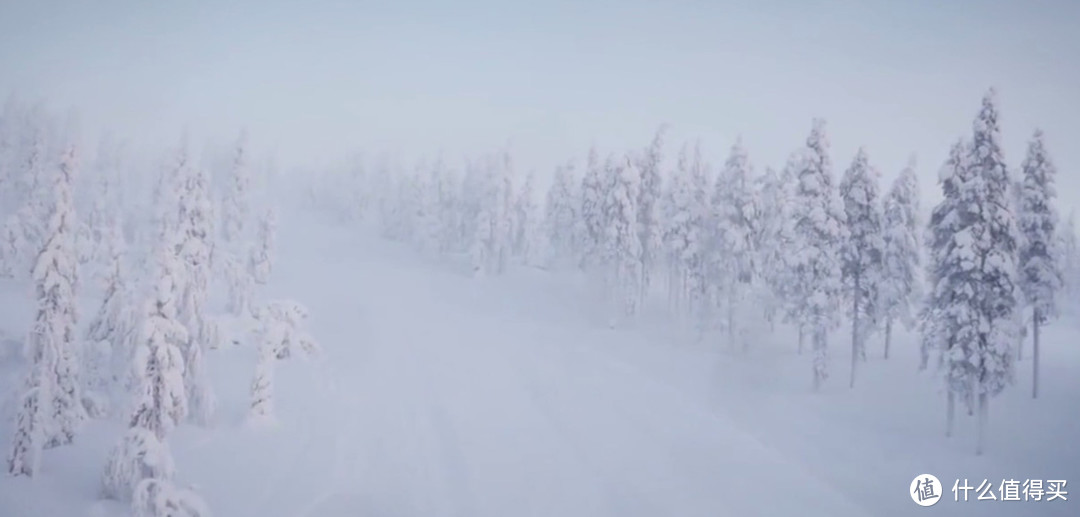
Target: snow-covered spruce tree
(235,203)
(900,288)
(996,237)
(159,497)
(1040,266)
(731,252)
(941,322)
(771,240)
(194,250)
(13,246)
(561,218)
(33,185)
(525,214)
(622,247)
(260,262)
(975,299)
(110,332)
(56,276)
(817,282)
(32,423)
(279,337)
(593,192)
(161,402)
(686,210)
(649,226)
(862,252)
(1069,250)
(446,208)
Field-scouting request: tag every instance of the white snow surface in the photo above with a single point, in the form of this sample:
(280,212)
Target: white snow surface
(441,394)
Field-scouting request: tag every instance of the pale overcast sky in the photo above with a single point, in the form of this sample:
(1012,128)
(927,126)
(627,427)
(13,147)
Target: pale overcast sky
(319,80)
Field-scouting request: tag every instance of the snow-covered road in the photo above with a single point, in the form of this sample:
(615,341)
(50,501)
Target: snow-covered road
(426,406)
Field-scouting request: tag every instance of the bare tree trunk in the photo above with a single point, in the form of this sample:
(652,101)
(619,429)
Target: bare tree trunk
(984,408)
(950,413)
(731,319)
(1035,354)
(854,332)
(888,336)
(802,337)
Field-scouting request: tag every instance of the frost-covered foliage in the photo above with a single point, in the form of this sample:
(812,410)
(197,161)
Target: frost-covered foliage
(156,497)
(971,317)
(901,289)
(731,242)
(235,204)
(1041,277)
(815,261)
(492,223)
(863,251)
(51,409)
(649,225)
(622,246)
(111,331)
(1039,260)
(162,401)
(593,219)
(32,423)
(195,252)
(261,262)
(686,210)
(1069,251)
(279,336)
(56,277)
(771,239)
(140,455)
(561,210)
(524,245)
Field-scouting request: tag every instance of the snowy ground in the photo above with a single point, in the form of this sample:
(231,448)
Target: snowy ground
(440,394)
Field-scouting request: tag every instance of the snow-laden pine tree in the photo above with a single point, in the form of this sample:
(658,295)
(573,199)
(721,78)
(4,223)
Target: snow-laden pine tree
(493,225)
(686,211)
(976,293)
(731,253)
(770,241)
(235,203)
(1040,267)
(159,360)
(622,246)
(561,209)
(194,250)
(260,261)
(943,317)
(649,227)
(817,282)
(109,334)
(279,336)
(593,220)
(33,424)
(900,291)
(161,399)
(525,214)
(1069,250)
(862,252)
(448,204)
(56,277)
(159,497)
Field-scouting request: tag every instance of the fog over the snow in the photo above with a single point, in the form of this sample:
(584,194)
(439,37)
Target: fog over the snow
(318,81)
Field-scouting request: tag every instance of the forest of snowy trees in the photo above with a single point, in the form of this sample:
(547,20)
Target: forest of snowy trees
(729,251)
(734,251)
(141,357)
